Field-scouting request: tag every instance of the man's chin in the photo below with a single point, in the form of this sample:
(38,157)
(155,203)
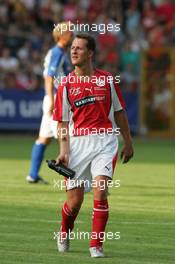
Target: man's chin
(75,64)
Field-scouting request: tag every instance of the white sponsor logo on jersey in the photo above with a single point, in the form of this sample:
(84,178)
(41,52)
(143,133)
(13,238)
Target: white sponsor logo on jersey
(100,88)
(75,91)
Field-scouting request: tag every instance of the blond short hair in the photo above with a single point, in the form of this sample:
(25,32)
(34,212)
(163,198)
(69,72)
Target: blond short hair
(60,29)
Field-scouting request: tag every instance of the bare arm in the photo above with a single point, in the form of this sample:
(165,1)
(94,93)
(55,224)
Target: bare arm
(122,122)
(63,138)
(48,83)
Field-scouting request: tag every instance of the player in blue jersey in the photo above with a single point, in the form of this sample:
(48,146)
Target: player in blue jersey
(56,65)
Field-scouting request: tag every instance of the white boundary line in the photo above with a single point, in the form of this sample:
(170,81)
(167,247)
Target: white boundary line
(83,222)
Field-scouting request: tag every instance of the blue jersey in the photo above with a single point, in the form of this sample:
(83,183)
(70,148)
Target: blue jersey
(56,64)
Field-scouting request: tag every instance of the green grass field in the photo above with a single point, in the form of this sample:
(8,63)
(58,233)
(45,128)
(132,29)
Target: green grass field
(142,209)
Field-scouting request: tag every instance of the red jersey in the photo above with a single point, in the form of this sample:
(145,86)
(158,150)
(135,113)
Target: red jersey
(88,106)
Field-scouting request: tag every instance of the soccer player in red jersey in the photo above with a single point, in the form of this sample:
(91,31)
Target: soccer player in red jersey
(89,107)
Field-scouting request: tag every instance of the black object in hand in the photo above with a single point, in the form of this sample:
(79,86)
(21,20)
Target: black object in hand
(61,169)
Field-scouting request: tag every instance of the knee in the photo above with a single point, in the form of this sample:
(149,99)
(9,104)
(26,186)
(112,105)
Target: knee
(100,194)
(101,188)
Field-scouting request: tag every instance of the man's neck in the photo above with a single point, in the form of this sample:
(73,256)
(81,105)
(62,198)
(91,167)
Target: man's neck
(86,70)
(61,44)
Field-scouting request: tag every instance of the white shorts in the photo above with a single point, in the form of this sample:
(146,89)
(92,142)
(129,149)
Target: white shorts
(91,156)
(48,127)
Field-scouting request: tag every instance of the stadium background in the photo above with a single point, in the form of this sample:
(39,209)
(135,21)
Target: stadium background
(143,54)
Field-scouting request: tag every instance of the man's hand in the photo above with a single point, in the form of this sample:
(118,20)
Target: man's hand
(64,158)
(122,122)
(50,108)
(127,152)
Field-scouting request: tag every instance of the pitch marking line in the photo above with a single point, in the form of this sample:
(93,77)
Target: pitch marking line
(83,222)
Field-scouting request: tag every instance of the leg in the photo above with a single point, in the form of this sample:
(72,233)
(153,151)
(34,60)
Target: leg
(70,211)
(100,216)
(71,208)
(100,190)
(45,135)
(37,156)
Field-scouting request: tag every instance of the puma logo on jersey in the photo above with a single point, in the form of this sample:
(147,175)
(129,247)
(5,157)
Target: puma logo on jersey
(89,89)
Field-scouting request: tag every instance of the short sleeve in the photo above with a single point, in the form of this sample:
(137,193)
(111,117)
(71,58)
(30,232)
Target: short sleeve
(52,60)
(117,98)
(62,106)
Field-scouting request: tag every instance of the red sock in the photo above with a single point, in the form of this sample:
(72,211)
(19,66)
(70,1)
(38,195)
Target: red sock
(68,218)
(99,220)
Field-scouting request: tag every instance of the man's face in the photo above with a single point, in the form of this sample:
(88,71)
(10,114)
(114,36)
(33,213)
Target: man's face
(79,52)
(68,36)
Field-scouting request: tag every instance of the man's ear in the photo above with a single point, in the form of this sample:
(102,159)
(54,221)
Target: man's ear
(90,53)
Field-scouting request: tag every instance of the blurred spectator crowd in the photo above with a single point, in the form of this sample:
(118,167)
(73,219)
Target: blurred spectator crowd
(26,26)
